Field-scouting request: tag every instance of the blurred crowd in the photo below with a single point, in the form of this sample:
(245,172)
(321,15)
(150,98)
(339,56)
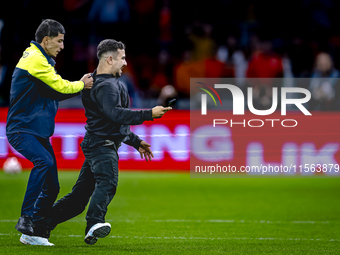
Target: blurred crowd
(169,42)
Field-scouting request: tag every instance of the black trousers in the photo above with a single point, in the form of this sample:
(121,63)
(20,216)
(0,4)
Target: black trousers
(97,180)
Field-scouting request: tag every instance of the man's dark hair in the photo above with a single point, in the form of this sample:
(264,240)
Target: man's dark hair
(109,45)
(50,28)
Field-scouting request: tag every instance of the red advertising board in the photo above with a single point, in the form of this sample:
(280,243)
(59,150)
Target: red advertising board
(237,141)
(293,144)
(169,138)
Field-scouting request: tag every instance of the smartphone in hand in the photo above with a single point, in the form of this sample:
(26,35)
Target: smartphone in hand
(171,102)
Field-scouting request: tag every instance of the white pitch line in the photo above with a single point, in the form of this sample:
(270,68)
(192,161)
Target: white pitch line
(223,238)
(195,238)
(204,221)
(245,221)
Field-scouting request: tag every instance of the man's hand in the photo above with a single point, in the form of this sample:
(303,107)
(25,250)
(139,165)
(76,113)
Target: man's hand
(88,80)
(159,111)
(144,151)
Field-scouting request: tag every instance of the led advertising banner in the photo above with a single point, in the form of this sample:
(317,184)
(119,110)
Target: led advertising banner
(215,144)
(169,138)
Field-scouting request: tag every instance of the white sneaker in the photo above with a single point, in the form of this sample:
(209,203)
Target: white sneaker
(98,230)
(35,240)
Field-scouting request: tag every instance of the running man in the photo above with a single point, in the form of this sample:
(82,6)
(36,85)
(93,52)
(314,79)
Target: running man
(108,125)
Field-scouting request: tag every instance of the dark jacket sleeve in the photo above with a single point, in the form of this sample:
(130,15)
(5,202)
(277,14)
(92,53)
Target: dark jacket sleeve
(133,141)
(109,102)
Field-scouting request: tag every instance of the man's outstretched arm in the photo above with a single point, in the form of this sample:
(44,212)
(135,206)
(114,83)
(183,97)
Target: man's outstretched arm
(108,99)
(42,70)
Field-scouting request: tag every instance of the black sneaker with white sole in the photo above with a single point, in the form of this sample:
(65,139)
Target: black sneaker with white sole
(99,230)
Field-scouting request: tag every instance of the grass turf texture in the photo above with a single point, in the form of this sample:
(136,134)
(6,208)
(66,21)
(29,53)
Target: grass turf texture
(155,213)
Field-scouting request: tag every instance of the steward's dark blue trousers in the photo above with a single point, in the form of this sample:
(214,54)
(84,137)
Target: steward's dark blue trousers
(43,185)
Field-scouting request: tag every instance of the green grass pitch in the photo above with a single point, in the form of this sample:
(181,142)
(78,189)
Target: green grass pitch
(171,213)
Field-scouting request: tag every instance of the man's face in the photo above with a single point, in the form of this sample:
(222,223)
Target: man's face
(54,45)
(118,63)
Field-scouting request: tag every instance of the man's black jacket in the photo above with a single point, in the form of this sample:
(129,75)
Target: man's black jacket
(106,109)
